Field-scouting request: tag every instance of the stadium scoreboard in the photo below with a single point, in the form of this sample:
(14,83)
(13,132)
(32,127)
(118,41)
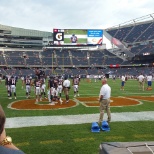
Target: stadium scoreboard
(77,37)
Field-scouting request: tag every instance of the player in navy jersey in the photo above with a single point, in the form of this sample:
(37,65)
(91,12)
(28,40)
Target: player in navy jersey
(74,38)
(12,83)
(7,84)
(51,90)
(75,84)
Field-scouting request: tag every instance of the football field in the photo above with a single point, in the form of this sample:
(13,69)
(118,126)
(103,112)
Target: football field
(67,129)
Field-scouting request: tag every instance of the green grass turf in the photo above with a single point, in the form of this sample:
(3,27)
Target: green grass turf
(76,32)
(78,139)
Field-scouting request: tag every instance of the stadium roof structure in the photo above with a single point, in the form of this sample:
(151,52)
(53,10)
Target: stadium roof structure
(130,34)
(14,37)
(24,32)
(144,19)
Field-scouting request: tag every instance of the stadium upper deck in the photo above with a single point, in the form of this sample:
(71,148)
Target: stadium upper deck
(27,48)
(13,37)
(134,31)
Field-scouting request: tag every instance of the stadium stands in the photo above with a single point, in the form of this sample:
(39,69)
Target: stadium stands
(2,59)
(58,61)
(79,58)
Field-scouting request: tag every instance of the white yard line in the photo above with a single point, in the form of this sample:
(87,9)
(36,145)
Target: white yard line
(19,122)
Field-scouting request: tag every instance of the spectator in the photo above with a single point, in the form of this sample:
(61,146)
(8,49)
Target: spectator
(149,81)
(6,145)
(123,80)
(141,80)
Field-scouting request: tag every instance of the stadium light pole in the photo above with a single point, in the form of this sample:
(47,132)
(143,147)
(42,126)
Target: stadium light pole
(63,63)
(52,62)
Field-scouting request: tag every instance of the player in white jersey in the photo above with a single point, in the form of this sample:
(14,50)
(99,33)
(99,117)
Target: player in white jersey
(75,84)
(28,83)
(43,88)
(22,81)
(141,80)
(38,85)
(59,88)
(1,78)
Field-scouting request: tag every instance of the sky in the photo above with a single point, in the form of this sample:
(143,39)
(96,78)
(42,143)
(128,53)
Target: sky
(44,15)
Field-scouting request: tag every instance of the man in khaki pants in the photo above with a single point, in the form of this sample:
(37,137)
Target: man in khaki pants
(66,88)
(104,99)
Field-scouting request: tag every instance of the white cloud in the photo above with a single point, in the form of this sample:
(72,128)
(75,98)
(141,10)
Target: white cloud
(48,14)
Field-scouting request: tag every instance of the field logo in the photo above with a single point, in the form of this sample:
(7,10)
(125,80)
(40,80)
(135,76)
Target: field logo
(30,104)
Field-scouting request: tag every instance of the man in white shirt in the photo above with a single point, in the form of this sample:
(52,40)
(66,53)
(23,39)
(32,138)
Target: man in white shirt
(141,80)
(123,79)
(149,81)
(104,99)
(66,88)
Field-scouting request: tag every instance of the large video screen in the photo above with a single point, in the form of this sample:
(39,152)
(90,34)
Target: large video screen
(77,36)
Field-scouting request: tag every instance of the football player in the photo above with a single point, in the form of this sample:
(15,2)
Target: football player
(7,84)
(75,84)
(1,78)
(51,90)
(28,83)
(37,84)
(74,38)
(60,87)
(43,88)
(12,83)
(23,82)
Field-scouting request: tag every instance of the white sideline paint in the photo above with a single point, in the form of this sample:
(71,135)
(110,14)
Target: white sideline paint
(19,122)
